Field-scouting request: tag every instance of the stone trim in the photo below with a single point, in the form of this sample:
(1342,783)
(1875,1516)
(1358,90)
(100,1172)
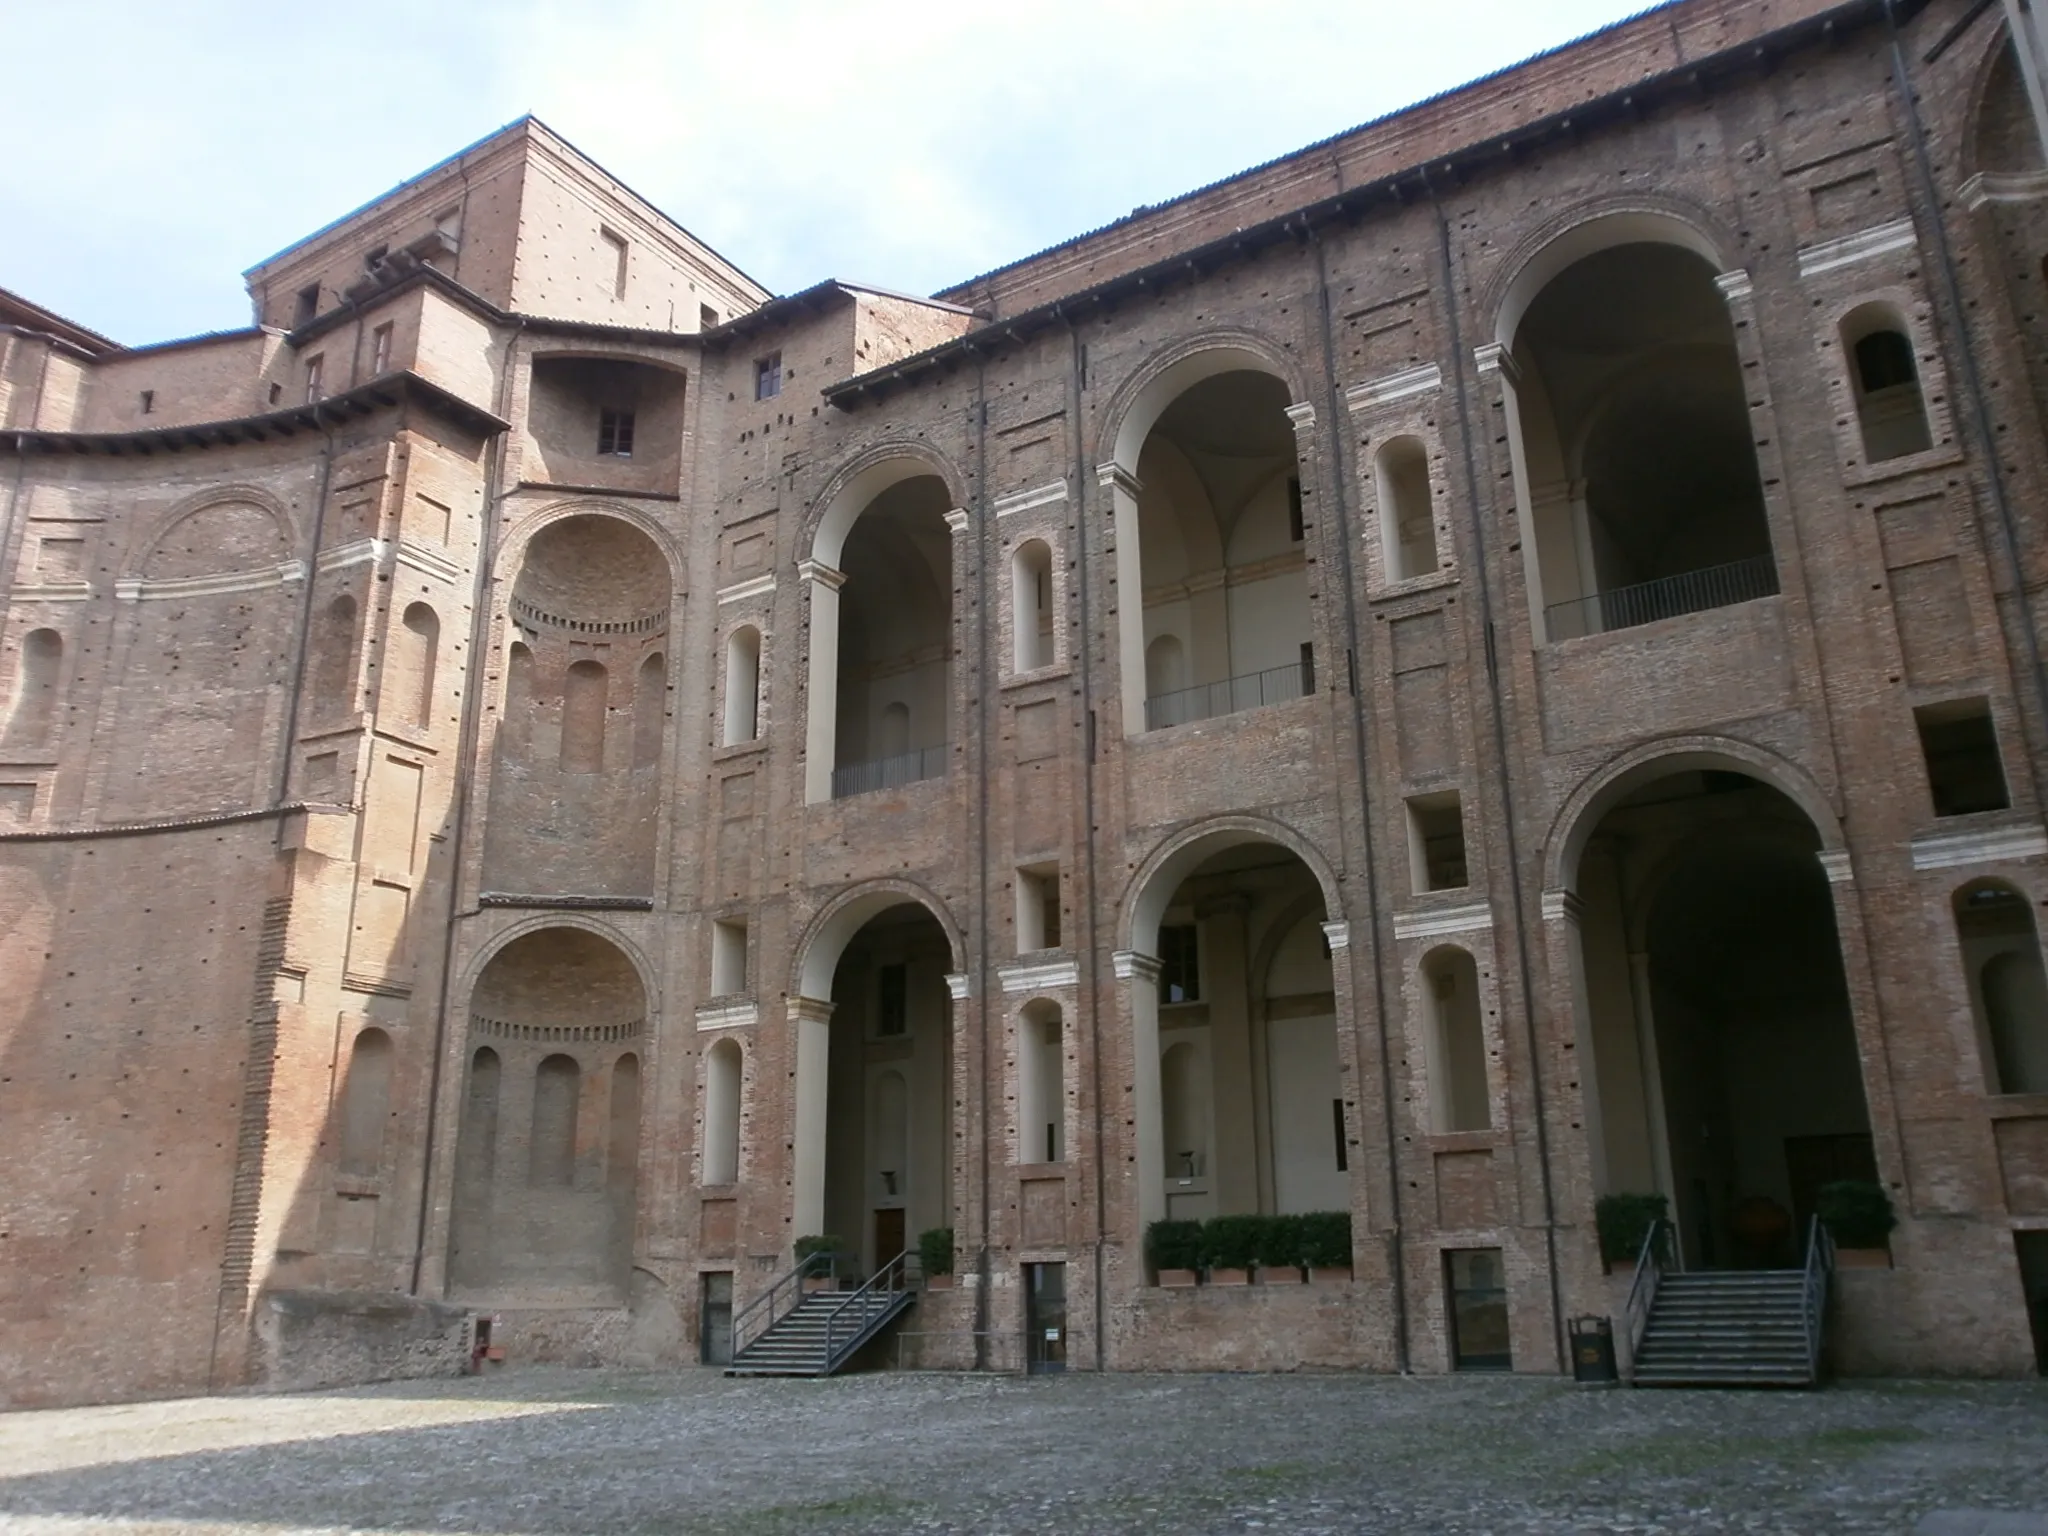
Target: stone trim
(1563,904)
(1999,845)
(1834,862)
(1474,918)
(1024,501)
(1128,963)
(428,562)
(743,1015)
(2004,187)
(956,520)
(355,552)
(1865,245)
(1114,477)
(1338,935)
(960,985)
(1734,284)
(1426,380)
(740,590)
(139,589)
(1039,978)
(823,575)
(1303,416)
(53,592)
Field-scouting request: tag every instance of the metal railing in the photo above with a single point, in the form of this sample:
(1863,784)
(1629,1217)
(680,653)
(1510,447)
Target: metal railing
(1718,586)
(781,1298)
(847,1325)
(1205,701)
(889,772)
(1820,1264)
(1642,1295)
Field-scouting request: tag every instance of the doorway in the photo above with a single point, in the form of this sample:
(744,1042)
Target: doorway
(714,1330)
(1476,1281)
(889,1234)
(1045,1319)
(2033,1251)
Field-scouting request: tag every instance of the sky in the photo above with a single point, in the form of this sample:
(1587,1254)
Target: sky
(159,149)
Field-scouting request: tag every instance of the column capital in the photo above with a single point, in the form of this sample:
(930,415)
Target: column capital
(1834,862)
(957,520)
(959,985)
(1733,284)
(1114,477)
(1562,904)
(1303,415)
(812,1010)
(1129,963)
(1492,357)
(1339,935)
(822,574)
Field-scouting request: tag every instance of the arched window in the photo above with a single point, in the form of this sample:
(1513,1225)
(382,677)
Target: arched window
(2008,988)
(583,707)
(1041,1118)
(35,691)
(1456,1049)
(742,685)
(414,674)
(894,736)
(650,701)
(556,1084)
(1885,379)
(334,659)
(723,1066)
(1031,605)
(366,1102)
(622,1158)
(1407,522)
(1166,668)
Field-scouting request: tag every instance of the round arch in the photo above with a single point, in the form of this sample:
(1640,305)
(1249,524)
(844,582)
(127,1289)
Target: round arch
(1150,890)
(828,934)
(650,988)
(1583,233)
(1621,776)
(204,501)
(520,534)
(856,484)
(1143,398)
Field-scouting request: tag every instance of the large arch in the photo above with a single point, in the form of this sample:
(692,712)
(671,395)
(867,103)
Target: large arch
(1582,232)
(1181,851)
(845,914)
(856,485)
(1161,379)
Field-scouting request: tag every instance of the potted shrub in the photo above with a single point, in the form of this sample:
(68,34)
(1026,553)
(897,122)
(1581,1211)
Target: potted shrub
(1623,1221)
(826,1243)
(1279,1250)
(935,1258)
(1175,1249)
(1859,1217)
(1230,1246)
(1326,1245)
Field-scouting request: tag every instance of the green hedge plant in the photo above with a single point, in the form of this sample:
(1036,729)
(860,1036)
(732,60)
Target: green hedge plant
(1231,1242)
(1857,1213)
(1325,1239)
(935,1251)
(1623,1222)
(1279,1242)
(1174,1244)
(824,1242)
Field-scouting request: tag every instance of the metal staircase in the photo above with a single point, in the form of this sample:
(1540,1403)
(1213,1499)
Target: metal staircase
(1730,1328)
(789,1331)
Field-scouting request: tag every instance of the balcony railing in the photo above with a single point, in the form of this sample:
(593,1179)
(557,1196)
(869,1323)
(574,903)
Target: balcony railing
(1718,586)
(1205,701)
(889,772)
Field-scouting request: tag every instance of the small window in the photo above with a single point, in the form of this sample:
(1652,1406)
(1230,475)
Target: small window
(892,1000)
(380,348)
(1960,745)
(148,402)
(1890,408)
(316,365)
(1180,964)
(1436,842)
(1038,908)
(768,376)
(276,392)
(1297,529)
(621,253)
(728,957)
(1308,669)
(308,303)
(615,434)
(1337,1126)
(707,317)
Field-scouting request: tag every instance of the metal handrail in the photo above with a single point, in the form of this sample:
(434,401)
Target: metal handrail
(1668,597)
(889,772)
(1820,1264)
(746,1327)
(1635,1316)
(875,1297)
(1205,701)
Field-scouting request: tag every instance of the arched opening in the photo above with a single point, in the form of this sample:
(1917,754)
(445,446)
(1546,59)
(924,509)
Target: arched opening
(412,673)
(1712,996)
(1031,606)
(1222,562)
(547,1153)
(1641,492)
(890,689)
(606,421)
(2006,137)
(334,660)
(37,679)
(873,1135)
(365,1102)
(650,710)
(1407,515)
(1041,1079)
(723,1067)
(1233,1003)
(571,810)
(1455,1047)
(1884,377)
(2001,950)
(742,686)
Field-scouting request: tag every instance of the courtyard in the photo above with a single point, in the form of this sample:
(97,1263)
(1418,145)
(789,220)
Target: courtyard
(562,1451)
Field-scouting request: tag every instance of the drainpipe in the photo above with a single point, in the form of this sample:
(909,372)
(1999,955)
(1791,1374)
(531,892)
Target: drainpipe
(288,737)
(1339,430)
(472,710)
(1085,951)
(986,701)
(1977,418)
(1503,766)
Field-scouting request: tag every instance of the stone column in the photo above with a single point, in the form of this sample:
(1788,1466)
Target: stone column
(821,727)
(1140,975)
(1235,1178)
(1122,487)
(810,1028)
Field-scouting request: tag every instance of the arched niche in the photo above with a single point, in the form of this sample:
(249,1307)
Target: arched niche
(724,1069)
(2001,953)
(1455,1042)
(1041,1135)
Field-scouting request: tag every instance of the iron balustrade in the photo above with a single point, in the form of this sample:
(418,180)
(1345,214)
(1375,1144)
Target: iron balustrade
(1254,690)
(847,1325)
(1718,586)
(889,772)
(1820,1265)
(781,1298)
(1642,1295)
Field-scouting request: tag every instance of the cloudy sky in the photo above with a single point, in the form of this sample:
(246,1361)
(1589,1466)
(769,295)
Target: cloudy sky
(158,149)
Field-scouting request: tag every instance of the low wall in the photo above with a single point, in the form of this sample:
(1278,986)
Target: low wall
(310,1339)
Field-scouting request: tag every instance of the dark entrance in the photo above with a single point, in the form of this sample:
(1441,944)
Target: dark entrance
(889,1234)
(714,1330)
(2033,1250)
(1476,1281)
(1045,1318)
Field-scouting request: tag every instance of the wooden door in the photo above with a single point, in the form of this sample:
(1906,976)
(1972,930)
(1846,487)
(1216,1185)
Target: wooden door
(888,1234)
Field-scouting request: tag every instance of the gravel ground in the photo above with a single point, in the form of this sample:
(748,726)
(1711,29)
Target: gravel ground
(575,1452)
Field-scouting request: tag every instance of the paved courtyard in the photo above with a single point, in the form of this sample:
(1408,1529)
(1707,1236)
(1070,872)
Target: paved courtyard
(575,1452)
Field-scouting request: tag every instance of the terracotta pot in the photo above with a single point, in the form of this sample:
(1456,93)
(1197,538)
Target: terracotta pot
(1863,1258)
(1177,1278)
(1287,1276)
(1330,1274)
(938,1282)
(1230,1277)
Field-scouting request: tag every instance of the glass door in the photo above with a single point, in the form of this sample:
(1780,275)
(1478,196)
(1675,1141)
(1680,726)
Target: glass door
(1045,1318)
